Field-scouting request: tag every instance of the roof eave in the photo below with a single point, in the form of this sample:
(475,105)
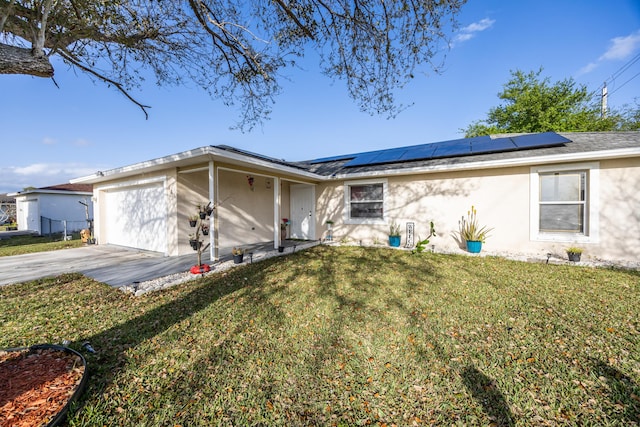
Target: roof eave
(191,157)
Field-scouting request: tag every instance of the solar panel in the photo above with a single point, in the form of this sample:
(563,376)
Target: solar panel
(451,148)
(489,145)
(334,158)
(537,140)
(419,152)
(378,157)
(457,147)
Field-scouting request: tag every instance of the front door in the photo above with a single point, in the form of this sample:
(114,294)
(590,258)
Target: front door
(302,212)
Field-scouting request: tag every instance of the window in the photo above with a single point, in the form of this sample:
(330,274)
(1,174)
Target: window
(364,201)
(564,203)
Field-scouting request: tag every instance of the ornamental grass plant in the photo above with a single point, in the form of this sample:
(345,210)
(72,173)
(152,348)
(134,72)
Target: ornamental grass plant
(470,229)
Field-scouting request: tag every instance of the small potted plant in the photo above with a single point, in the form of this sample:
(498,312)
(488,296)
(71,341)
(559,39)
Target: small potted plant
(574,253)
(238,254)
(394,234)
(471,231)
(205,229)
(194,242)
(193,220)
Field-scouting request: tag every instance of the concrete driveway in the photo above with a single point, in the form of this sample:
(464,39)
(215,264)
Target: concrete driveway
(113,265)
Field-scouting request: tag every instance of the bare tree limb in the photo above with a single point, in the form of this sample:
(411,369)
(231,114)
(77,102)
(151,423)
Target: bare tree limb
(67,56)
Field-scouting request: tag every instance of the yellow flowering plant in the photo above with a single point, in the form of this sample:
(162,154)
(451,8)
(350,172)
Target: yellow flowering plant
(470,230)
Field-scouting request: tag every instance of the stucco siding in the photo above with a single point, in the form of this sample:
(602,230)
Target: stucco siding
(245,213)
(503,202)
(620,211)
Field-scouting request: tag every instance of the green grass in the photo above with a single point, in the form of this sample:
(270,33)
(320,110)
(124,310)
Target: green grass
(19,245)
(350,336)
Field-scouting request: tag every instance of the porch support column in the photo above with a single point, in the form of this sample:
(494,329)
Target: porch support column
(213,219)
(276,212)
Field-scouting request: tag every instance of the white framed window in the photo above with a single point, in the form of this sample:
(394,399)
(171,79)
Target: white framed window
(365,201)
(564,202)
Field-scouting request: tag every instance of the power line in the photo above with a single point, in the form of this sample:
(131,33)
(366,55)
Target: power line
(624,68)
(622,85)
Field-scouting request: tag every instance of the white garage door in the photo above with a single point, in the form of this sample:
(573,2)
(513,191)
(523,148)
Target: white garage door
(137,217)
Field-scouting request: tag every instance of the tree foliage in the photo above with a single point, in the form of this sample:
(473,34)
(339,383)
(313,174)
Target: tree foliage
(534,104)
(235,50)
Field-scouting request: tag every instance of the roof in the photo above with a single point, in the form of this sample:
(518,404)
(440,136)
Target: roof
(83,188)
(59,189)
(565,147)
(581,145)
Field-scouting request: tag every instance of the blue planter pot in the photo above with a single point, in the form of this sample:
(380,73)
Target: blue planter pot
(394,241)
(474,246)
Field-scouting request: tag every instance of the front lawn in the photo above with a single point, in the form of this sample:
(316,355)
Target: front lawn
(350,336)
(26,244)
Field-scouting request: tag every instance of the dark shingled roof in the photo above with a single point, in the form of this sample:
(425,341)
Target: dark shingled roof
(84,188)
(582,142)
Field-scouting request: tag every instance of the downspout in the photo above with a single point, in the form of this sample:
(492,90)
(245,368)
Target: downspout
(213,223)
(276,212)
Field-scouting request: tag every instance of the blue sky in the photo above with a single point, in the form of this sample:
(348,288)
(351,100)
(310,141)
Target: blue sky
(50,135)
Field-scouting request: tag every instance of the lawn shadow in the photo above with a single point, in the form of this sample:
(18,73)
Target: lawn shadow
(623,392)
(111,344)
(486,393)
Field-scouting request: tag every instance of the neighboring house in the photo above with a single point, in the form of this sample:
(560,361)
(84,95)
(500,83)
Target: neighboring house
(539,192)
(50,209)
(7,209)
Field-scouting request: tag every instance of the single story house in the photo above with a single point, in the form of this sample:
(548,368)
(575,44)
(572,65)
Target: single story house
(54,209)
(541,193)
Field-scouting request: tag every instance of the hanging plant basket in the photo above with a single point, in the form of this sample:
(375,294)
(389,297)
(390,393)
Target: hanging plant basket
(193,222)
(195,244)
(203,215)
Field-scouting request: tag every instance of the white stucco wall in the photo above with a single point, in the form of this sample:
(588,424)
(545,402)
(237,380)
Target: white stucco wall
(502,200)
(56,206)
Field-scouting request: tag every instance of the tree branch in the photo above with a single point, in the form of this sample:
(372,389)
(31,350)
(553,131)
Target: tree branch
(4,16)
(294,18)
(20,60)
(67,56)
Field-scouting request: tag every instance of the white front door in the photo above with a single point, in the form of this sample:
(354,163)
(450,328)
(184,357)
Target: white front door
(302,212)
(28,215)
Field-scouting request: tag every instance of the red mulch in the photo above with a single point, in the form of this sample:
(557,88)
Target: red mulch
(36,385)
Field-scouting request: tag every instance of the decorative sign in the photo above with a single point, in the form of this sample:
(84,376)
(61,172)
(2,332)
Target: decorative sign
(410,230)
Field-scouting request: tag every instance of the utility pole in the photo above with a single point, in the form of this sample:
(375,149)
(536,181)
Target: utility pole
(603,111)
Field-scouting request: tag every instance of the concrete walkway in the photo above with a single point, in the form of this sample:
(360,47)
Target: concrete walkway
(109,264)
(113,265)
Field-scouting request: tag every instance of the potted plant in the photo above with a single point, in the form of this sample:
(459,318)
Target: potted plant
(283,228)
(471,231)
(196,243)
(238,254)
(394,234)
(574,253)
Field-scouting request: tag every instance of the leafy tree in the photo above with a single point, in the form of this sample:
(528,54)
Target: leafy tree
(534,104)
(235,50)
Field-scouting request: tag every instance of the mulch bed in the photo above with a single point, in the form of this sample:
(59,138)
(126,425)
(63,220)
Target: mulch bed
(36,385)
